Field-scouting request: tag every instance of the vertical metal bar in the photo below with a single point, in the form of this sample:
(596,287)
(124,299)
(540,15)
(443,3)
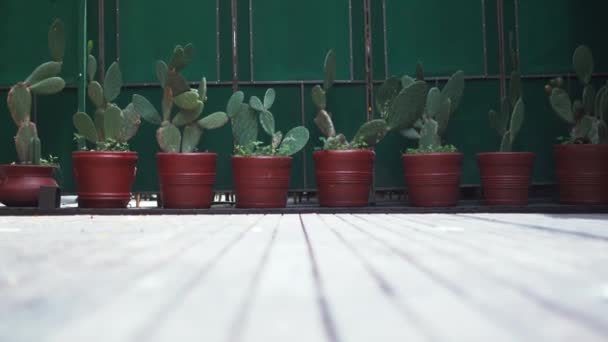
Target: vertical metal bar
(485,37)
(82,58)
(350,39)
(235,56)
(384,29)
(101,37)
(117,30)
(368,57)
(217,40)
(501,47)
(516,5)
(251,40)
(303,119)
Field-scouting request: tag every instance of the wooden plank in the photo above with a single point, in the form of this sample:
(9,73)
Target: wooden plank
(495,286)
(282,304)
(437,311)
(357,309)
(588,226)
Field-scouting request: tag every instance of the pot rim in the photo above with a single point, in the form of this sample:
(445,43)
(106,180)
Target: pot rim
(431,154)
(262,157)
(29,166)
(349,151)
(104,152)
(562,146)
(527,153)
(186,154)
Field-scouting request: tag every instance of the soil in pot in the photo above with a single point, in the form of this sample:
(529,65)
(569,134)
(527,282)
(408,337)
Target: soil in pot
(20,184)
(433,179)
(582,173)
(260,181)
(505,177)
(104,178)
(344,177)
(186,179)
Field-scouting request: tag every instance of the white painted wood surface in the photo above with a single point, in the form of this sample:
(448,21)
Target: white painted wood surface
(335,278)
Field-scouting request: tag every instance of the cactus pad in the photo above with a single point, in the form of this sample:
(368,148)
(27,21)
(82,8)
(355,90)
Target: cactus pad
(408,106)
(112,82)
(294,140)
(213,121)
(169,138)
(562,105)
(112,122)
(325,124)
(454,89)
(267,122)
(234,103)
(191,138)
(188,100)
(269,98)
(48,86)
(44,71)
(95,92)
(85,127)
(20,103)
(330,70)
(386,94)
(371,133)
(161,73)
(319,97)
(56,38)
(583,63)
(245,126)
(26,132)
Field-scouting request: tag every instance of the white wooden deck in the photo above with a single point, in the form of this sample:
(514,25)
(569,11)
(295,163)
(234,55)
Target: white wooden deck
(335,278)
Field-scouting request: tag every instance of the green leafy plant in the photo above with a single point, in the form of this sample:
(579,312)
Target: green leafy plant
(180,132)
(509,119)
(245,118)
(588,116)
(112,127)
(420,113)
(432,149)
(44,80)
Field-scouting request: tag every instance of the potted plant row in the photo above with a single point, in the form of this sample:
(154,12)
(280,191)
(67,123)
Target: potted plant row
(20,182)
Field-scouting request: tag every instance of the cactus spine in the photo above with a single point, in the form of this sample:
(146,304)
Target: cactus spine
(587,116)
(44,80)
(417,112)
(245,118)
(111,127)
(510,118)
(181,132)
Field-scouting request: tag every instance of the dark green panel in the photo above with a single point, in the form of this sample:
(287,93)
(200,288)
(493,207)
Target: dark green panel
(24,44)
(444,35)
(290,38)
(346,103)
(551,31)
(150,29)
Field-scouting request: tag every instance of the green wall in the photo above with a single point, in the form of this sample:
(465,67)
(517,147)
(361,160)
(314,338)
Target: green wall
(288,41)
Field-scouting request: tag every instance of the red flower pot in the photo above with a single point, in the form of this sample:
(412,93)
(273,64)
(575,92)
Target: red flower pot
(261,182)
(104,178)
(582,173)
(186,179)
(344,177)
(433,179)
(20,184)
(505,177)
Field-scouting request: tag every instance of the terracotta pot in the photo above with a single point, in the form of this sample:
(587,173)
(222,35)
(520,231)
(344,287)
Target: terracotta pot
(186,179)
(433,179)
(582,173)
(344,177)
(20,184)
(261,182)
(505,177)
(104,178)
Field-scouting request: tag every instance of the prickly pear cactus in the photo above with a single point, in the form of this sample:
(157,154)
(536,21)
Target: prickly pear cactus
(508,120)
(417,112)
(44,80)
(111,126)
(182,131)
(589,115)
(245,119)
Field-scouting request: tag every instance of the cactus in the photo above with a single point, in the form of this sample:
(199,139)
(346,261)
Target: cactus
(589,115)
(181,132)
(417,112)
(112,127)
(245,118)
(371,132)
(508,121)
(44,80)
